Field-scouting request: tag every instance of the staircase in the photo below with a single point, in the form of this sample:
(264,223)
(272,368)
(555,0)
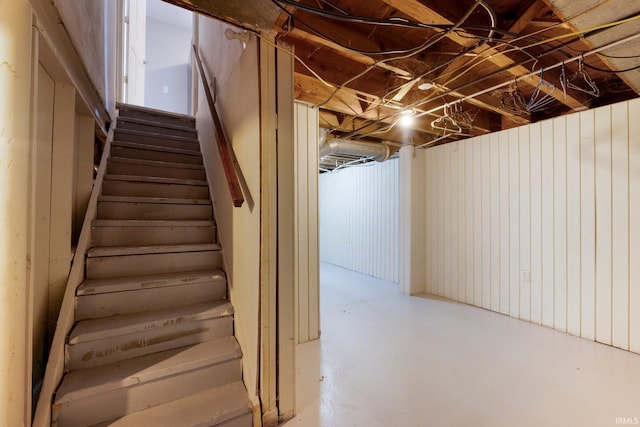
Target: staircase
(153,341)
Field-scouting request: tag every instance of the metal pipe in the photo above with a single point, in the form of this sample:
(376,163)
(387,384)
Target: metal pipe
(379,152)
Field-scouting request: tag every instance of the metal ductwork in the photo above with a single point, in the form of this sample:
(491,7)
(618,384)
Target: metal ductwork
(379,152)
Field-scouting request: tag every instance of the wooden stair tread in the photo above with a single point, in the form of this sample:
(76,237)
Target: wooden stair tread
(93,381)
(151,223)
(151,147)
(122,284)
(145,162)
(206,408)
(106,327)
(125,119)
(105,251)
(120,133)
(152,111)
(156,180)
(157,200)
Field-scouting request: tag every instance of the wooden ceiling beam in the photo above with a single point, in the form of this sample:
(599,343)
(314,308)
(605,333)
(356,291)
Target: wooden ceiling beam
(311,90)
(424,14)
(331,120)
(346,101)
(527,16)
(299,34)
(484,101)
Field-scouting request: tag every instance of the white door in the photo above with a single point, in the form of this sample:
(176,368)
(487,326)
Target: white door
(135,15)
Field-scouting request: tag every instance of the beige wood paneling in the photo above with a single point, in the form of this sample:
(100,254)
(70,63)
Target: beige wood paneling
(306,222)
(550,223)
(62,171)
(359,219)
(16,70)
(41,209)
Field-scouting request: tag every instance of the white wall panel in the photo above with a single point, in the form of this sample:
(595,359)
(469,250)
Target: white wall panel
(634,226)
(504,224)
(461,253)
(359,225)
(306,271)
(560,223)
(540,223)
(588,225)
(603,224)
(485,203)
(535,274)
(494,220)
(524,216)
(620,225)
(469,222)
(547,236)
(573,225)
(513,185)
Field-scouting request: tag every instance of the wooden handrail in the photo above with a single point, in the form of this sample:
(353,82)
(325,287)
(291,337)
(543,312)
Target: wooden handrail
(224,147)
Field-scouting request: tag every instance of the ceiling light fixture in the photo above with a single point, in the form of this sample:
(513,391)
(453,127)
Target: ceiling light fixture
(406,118)
(243,36)
(426,86)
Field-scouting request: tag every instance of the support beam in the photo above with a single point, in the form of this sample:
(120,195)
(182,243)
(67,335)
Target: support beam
(15,135)
(412,224)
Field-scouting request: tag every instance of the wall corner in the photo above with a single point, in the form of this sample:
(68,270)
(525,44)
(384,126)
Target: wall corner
(412,226)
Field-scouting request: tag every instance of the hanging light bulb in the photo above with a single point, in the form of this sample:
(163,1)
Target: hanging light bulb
(243,36)
(406,118)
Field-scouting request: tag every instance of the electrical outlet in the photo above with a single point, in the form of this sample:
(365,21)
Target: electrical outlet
(165,89)
(526,276)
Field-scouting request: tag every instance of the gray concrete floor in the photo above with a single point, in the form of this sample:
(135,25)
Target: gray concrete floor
(387,359)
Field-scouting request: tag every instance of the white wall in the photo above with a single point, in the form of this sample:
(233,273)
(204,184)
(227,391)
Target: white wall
(541,223)
(85,23)
(238,105)
(359,218)
(307,274)
(168,56)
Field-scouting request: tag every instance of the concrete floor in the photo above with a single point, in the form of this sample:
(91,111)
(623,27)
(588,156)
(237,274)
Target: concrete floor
(387,359)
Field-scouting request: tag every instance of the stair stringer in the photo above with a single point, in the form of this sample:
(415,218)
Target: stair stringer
(55,364)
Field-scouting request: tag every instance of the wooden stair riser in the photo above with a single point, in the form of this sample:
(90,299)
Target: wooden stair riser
(137,265)
(117,168)
(115,303)
(156,128)
(157,140)
(153,189)
(175,120)
(113,349)
(116,403)
(153,211)
(225,406)
(157,155)
(245,420)
(149,235)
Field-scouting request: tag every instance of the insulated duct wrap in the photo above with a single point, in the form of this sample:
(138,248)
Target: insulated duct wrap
(379,152)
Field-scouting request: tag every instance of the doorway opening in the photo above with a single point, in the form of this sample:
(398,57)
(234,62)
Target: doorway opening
(156,69)
(359,210)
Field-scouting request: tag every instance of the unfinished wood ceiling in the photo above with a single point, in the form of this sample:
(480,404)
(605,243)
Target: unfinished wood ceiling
(458,68)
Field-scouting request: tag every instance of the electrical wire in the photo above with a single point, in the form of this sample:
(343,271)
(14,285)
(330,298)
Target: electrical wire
(417,104)
(581,33)
(394,21)
(611,71)
(427,44)
(337,42)
(510,42)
